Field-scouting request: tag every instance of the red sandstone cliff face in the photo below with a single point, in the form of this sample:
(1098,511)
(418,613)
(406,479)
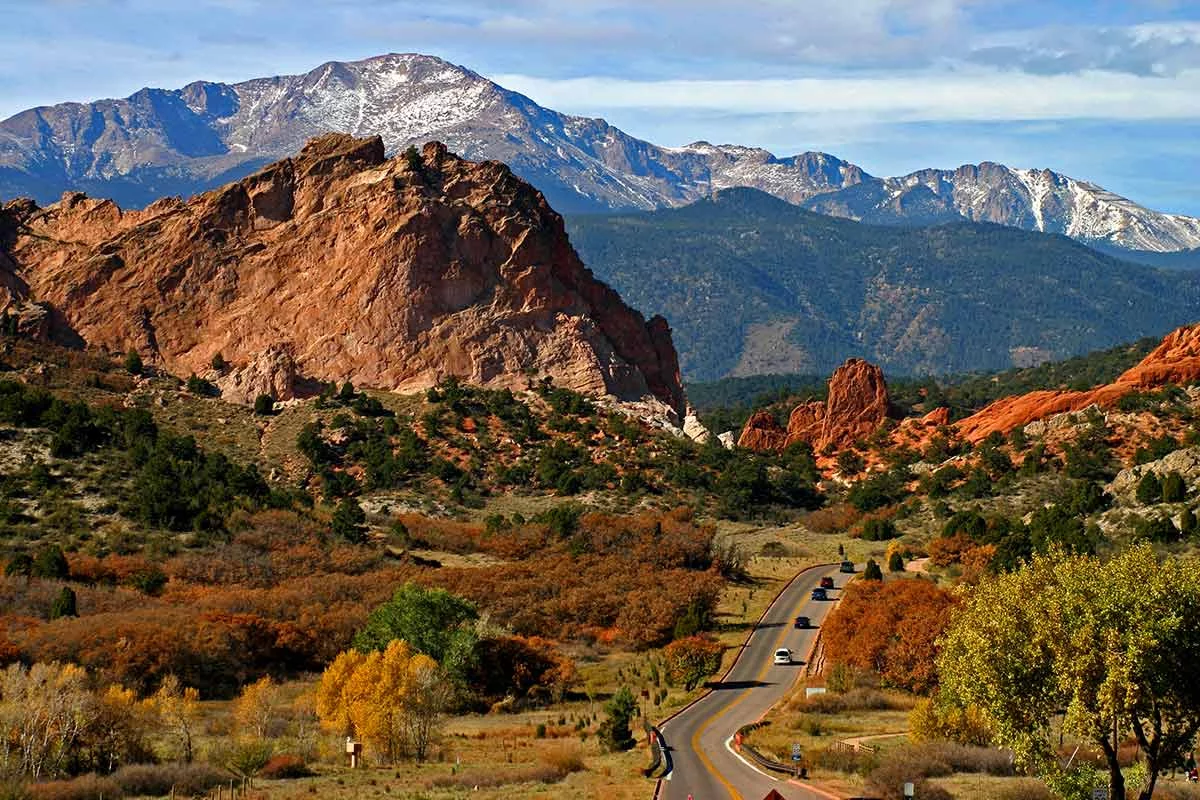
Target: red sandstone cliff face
(1176,360)
(857,406)
(340,265)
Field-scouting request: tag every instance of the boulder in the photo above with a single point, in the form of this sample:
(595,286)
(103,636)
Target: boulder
(763,432)
(694,429)
(271,372)
(1186,462)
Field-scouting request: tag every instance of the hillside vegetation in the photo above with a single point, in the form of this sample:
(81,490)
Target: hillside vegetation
(753,285)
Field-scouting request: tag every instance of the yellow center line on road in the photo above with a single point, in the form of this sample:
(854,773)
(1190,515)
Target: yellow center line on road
(704,759)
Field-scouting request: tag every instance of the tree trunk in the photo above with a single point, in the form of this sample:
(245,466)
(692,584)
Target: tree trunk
(1116,781)
(1148,792)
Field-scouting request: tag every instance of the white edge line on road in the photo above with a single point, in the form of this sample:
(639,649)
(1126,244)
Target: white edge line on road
(679,712)
(738,756)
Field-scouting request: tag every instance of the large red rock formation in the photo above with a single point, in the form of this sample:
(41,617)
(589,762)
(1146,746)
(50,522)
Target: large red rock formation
(340,265)
(858,403)
(1176,360)
(857,406)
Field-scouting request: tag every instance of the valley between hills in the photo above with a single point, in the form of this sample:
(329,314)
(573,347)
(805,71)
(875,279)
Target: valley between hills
(357,448)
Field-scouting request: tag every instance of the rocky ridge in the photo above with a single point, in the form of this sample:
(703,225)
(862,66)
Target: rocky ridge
(338,264)
(1037,200)
(181,141)
(1176,360)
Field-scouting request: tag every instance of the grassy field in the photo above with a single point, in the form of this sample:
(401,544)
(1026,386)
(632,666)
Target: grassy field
(503,755)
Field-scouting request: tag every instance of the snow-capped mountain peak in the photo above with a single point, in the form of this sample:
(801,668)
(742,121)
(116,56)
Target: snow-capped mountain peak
(181,141)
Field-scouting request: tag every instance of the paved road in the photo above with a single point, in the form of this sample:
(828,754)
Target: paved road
(703,764)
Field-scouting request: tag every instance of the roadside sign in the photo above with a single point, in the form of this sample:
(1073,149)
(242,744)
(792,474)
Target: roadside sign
(1100,793)
(796,752)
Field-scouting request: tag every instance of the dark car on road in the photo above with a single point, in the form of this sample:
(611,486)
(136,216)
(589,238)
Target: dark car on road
(803,622)
(827,582)
(819,594)
(848,566)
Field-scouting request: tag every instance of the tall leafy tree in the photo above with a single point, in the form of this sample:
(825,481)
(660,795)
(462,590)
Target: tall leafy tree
(392,699)
(1112,643)
(691,660)
(432,621)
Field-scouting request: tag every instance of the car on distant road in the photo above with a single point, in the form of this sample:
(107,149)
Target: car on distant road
(827,582)
(819,594)
(803,622)
(848,566)
(783,656)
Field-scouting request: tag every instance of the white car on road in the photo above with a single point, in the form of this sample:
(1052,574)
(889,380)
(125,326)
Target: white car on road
(783,656)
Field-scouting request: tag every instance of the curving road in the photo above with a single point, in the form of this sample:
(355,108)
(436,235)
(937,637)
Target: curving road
(703,764)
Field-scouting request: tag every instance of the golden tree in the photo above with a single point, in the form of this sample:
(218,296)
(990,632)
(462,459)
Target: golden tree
(257,709)
(332,702)
(391,700)
(178,708)
(691,660)
(118,728)
(44,710)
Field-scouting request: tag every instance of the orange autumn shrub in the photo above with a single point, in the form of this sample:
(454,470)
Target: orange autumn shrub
(891,629)
(947,550)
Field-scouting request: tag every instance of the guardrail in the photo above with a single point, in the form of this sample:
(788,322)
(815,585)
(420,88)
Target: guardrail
(657,750)
(792,770)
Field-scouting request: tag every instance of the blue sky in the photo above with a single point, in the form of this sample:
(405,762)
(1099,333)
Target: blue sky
(1104,91)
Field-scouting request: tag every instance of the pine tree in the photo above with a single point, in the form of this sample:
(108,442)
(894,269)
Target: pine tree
(1149,489)
(264,405)
(872,572)
(1187,523)
(347,522)
(64,604)
(1174,490)
(51,563)
(133,363)
(615,735)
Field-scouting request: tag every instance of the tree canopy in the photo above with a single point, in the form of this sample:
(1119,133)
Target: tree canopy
(431,621)
(1109,644)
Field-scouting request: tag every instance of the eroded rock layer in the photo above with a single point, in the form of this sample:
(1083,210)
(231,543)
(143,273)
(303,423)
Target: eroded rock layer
(1176,360)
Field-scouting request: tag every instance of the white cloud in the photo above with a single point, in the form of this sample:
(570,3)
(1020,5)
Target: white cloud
(976,94)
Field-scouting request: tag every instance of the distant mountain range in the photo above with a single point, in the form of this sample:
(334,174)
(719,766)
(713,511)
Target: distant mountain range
(164,142)
(753,285)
